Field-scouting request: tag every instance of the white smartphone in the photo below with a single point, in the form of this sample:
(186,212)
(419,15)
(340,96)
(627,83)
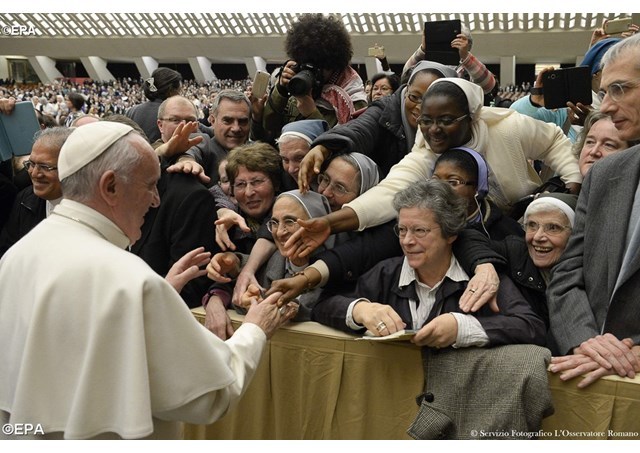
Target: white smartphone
(260,84)
(617,26)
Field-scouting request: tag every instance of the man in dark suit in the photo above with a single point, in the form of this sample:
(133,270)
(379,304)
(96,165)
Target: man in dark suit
(186,215)
(594,294)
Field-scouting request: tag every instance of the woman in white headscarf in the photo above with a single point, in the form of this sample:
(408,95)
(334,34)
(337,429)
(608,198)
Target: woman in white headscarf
(453,115)
(385,131)
(287,209)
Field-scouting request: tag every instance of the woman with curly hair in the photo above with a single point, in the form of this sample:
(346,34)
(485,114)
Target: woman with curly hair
(317,82)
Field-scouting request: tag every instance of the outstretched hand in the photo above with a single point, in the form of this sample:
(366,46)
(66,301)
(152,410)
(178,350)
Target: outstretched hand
(187,268)
(578,112)
(310,166)
(223,267)
(226,220)
(266,314)
(180,141)
(190,167)
(311,235)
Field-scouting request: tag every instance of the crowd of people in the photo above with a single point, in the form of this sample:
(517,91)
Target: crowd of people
(416,206)
(104,98)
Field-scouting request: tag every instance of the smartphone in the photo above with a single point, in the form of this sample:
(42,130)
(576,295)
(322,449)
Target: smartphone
(566,85)
(376,51)
(617,26)
(438,36)
(260,84)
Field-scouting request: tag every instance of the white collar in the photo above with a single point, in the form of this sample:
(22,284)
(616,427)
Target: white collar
(93,220)
(454,272)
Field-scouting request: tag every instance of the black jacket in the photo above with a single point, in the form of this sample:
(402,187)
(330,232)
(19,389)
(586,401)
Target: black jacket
(495,223)
(515,323)
(28,210)
(376,133)
(349,259)
(183,221)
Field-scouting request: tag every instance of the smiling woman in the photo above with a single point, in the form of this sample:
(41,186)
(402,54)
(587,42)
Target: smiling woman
(421,290)
(598,138)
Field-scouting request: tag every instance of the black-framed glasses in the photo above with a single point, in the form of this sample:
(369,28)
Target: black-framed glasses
(289,225)
(552,229)
(44,167)
(443,121)
(419,232)
(324,181)
(455,182)
(241,186)
(616,90)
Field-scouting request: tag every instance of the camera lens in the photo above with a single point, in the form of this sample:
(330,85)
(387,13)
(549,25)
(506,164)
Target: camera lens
(301,83)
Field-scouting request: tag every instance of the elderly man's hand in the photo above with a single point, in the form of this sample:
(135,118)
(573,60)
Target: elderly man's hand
(611,354)
(574,365)
(180,142)
(268,316)
(187,268)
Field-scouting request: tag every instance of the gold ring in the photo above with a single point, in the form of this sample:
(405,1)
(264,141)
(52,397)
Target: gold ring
(472,290)
(380,326)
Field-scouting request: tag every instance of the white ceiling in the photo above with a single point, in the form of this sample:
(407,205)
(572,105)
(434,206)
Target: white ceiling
(231,37)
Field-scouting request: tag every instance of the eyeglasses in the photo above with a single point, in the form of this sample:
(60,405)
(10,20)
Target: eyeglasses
(419,232)
(241,186)
(616,90)
(381,88)
(455,182)
(44,167)
(551,229)
(289,225)
(178,120)
(324,181)
(414,98)
(443,121)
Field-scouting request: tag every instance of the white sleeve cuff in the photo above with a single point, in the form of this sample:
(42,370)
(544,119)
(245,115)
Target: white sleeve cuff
(470,332)
(349,318)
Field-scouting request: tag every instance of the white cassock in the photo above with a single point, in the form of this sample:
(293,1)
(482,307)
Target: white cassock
(95,344)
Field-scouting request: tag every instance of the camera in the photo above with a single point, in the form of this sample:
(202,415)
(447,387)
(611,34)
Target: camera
(307,79)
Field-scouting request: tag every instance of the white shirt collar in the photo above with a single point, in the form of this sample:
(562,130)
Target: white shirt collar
(455,273)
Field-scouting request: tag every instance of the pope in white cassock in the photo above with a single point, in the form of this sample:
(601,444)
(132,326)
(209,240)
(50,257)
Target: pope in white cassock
(94,343)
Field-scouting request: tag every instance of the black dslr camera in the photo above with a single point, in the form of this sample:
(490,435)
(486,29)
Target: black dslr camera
(307,78)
